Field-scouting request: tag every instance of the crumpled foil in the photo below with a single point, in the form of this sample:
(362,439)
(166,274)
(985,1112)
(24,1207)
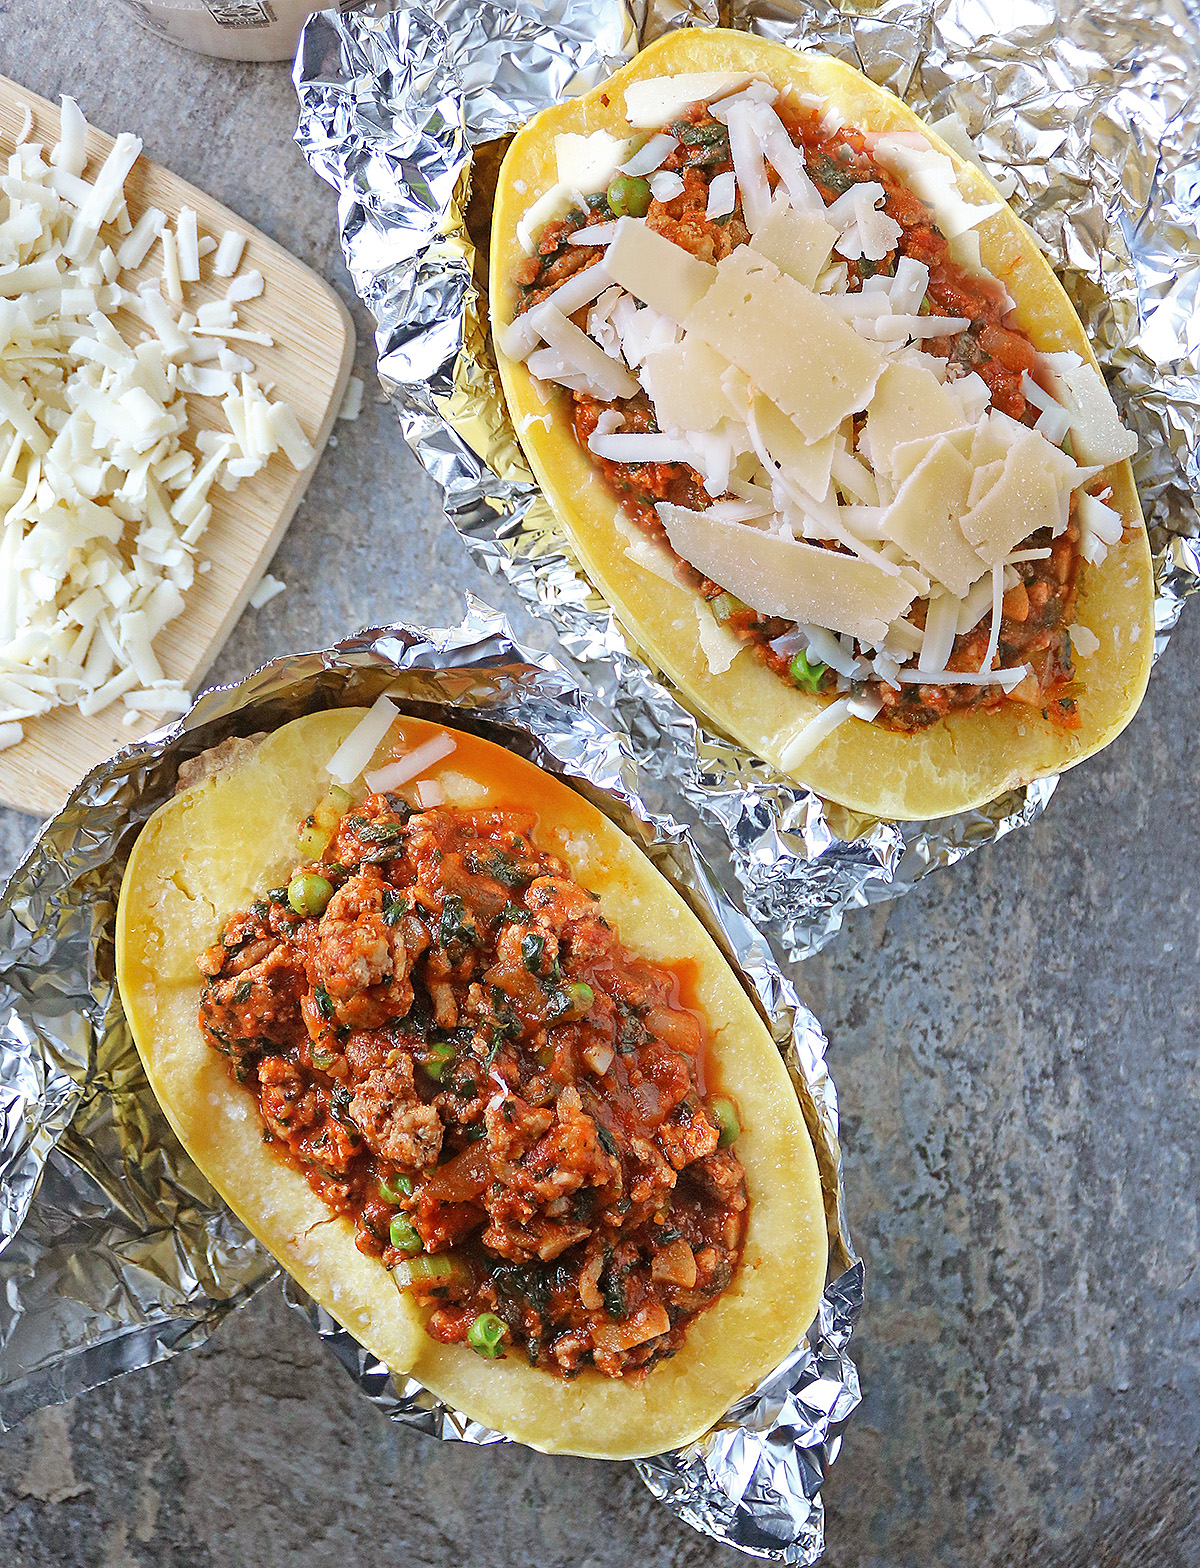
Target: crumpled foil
(1093,112)
(114,1250)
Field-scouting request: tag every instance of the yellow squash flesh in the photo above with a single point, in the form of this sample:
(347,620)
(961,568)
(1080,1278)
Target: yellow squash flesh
(216,847)
(960,762)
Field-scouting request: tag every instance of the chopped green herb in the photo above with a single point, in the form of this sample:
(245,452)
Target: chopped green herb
(532,947)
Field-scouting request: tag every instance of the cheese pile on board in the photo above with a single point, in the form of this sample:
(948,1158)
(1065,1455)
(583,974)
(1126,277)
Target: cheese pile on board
(757,368)
(104,478)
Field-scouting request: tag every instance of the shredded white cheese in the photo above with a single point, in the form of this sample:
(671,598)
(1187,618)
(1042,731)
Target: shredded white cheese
(104,474)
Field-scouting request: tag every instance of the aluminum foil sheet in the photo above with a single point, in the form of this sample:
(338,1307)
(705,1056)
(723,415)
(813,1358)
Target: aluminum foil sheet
(1094,113)
(114,1250)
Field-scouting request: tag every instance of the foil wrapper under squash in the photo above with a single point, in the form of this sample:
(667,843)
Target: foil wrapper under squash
(114,1250)
(1092,112)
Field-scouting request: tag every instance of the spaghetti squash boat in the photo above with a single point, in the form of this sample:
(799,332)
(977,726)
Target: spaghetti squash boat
(822,425)
(456,1053)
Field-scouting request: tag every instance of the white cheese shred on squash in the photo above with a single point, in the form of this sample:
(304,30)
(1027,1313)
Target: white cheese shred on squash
(105,476)
(407,767)
(352,756)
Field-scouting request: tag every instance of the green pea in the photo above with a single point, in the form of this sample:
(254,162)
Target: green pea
(308,893)
(396,1189)
(580,997)
(807,676)
(629,196)
(439,1056)
(486,1335)
(724,1114)
(404,1235)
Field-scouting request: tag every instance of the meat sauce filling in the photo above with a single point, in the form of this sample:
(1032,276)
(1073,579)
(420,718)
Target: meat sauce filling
(1037,610)
(445,1035)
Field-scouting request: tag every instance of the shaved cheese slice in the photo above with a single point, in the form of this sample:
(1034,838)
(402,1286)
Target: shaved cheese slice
(722,195)
(1097,433)
(1084,641)
(909,403)
(924,518)
(664,276)
(982,480)
(665,186)
(781,576)
(584,164)
(1023,499)
(746,150)
(941,628)
(808,361)
(642,447)
(818,728)
(808,462)
(994,436)
(798,243)
(1099,527)
(658,99)
(684,383)
(908,454)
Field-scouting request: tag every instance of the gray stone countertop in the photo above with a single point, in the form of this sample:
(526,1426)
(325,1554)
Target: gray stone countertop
(1015,1046)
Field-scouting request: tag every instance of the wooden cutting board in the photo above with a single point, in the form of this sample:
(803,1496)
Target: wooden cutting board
(309,365)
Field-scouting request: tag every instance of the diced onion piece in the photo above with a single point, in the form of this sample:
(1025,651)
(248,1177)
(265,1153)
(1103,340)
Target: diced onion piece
(352,756)
(398,772)
(430,793)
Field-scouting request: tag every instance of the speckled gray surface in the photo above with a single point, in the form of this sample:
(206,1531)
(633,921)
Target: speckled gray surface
(1016,1050)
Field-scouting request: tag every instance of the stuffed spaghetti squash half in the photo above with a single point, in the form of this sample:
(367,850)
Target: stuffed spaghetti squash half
(457,1054)
(822,425)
